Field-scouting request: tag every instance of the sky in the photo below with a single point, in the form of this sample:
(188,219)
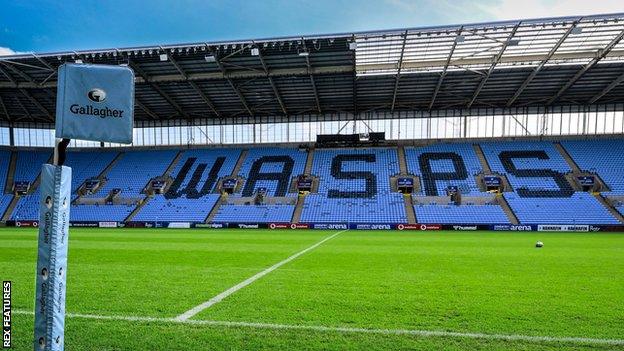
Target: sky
(65,25)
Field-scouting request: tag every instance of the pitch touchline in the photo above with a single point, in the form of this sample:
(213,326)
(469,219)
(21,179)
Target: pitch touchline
(195,310)
(350,330)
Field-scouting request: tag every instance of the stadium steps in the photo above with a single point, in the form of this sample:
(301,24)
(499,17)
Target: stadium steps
(37,181)
(402,161)
(239,164)
(409,209)
(566,156)
(7,214)
(308,166)
(507,209)
(298,209)
(8,188)
(110,165)
(484,164)
(215,209)
(614,212)
(173,164)
(137,209)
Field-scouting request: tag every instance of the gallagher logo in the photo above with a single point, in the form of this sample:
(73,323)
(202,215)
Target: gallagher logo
(97,95)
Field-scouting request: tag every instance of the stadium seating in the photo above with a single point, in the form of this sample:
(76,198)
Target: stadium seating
(131,173)
(603,157)
(464,214)
(270,168)
(133,170)
(354,184)
(439,157)
(276,160)
(190,197)
(5,199)
(357,189)
(580,208)
(254,213)
(27,168)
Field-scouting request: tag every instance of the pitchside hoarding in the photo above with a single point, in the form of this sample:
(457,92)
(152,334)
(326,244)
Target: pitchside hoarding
(95,102)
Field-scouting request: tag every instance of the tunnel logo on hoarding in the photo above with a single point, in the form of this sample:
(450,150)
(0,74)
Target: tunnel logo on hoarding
(97,95)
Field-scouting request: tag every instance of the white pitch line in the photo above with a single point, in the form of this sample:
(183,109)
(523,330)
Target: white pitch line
(350,330)
(218,298)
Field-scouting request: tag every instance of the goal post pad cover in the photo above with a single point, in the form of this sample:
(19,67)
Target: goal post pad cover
(95,102)
(55,192)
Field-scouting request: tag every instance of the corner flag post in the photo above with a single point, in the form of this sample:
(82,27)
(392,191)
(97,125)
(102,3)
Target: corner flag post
(94,102)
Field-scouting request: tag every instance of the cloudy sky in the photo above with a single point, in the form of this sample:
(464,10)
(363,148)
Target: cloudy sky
(47,26)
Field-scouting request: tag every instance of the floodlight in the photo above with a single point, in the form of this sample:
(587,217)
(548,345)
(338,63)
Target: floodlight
(164,57)
(210,58)
(352,45)
(255,52)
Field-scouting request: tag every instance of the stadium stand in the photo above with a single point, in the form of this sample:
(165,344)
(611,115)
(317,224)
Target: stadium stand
(354,186)
(448,164)
(536,171)
(5,158)
(580,208)
(190,196)
(271,169)
(464,214)
(27,169)
(591,157)
(133,171)
(130,174)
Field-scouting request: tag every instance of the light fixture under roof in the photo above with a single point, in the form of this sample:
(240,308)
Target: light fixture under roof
(352,45)
(255,52)
(163,57)
(210,58)
(513,42)
(460,39)
(304,53)
(576,30)
(78,61)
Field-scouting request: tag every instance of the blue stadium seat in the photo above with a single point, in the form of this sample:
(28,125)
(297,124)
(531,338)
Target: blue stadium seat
(355,197)
(182,203)
(464,214)
(415,156)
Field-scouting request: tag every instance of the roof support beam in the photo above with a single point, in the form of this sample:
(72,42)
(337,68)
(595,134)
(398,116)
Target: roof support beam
(607,89)
(240,95)
(147,110)
(494,63)
(275,90)
(542,63)
(4,110)
(8,75)
(38,104)
(313,83)
(154,86)
(194,85)
(600,55)
(398,74)
(444,70)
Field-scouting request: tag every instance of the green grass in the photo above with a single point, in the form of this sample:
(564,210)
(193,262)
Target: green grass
(494,283)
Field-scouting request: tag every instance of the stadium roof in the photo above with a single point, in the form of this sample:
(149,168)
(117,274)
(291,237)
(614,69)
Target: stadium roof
(537,62)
